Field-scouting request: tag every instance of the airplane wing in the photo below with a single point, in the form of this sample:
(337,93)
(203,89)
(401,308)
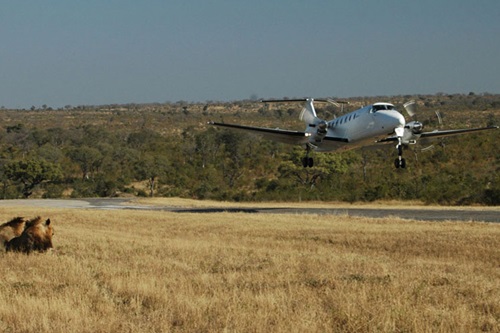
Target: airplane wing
(437,133)
(275,134)
(454,132)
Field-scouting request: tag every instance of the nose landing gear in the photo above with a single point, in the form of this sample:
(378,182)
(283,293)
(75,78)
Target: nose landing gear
(400,162)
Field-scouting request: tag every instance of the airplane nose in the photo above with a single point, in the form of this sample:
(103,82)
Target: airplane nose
(392,118)
(400,119)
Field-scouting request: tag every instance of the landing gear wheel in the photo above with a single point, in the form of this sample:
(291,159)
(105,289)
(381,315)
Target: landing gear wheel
(307,162)
(400,163)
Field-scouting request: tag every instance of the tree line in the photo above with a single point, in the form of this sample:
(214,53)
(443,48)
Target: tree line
(167,150)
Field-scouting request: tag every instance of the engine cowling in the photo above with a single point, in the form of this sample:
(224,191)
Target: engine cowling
(415,127)
(322,129)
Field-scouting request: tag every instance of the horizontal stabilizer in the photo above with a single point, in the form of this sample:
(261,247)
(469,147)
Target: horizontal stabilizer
(321,100)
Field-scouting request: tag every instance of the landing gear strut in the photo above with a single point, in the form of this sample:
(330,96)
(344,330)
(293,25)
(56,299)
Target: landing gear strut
(400,162)
(306,160)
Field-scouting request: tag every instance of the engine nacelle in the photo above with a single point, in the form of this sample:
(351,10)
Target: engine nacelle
(322,129)
(415,127)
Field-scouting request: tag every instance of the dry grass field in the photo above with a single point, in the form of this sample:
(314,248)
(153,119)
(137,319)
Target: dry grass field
(145,271)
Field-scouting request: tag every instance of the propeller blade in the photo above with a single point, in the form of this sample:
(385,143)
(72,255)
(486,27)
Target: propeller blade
(307,116)
(428,148)
(440,119)
(411,108)
(431,146)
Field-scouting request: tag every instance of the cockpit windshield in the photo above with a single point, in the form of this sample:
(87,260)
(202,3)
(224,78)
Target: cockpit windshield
(382,106)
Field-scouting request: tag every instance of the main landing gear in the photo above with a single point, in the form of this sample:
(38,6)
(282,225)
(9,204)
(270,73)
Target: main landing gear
(306,160)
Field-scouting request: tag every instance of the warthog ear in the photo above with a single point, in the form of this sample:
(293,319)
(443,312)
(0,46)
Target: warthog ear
(47,222)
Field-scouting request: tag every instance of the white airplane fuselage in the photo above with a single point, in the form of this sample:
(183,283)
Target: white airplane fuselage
(358,128)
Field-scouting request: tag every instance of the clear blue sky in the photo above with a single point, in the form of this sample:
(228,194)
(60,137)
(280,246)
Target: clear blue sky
(89,52)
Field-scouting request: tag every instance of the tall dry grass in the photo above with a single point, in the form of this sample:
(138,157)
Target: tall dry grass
(137,271)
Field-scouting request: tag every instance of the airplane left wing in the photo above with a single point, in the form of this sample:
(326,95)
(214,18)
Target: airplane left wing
(437,133)
(275,134)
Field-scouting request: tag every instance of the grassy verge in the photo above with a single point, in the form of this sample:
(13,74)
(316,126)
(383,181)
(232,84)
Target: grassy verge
(141,271)
(190,203)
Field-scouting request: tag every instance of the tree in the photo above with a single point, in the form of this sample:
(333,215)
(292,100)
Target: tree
(31,173)
(150,167)
(88,158)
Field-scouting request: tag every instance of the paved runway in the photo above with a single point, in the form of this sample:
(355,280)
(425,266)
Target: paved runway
(427,214)
(411,214)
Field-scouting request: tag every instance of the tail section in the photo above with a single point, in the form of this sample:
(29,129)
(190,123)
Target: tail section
(308,114)
(316,126)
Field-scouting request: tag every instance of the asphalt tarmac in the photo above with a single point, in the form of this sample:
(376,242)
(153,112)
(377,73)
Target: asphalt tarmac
(427,214)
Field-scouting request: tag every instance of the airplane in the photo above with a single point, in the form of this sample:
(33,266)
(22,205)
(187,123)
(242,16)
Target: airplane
(367,126)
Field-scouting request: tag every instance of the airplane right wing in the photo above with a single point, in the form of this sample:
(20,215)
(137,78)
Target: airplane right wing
(454,132)
(275,134)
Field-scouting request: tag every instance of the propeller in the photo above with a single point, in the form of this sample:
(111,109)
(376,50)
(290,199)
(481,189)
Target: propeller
(439,123)
(416,127)
(409,134)
(308,115)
